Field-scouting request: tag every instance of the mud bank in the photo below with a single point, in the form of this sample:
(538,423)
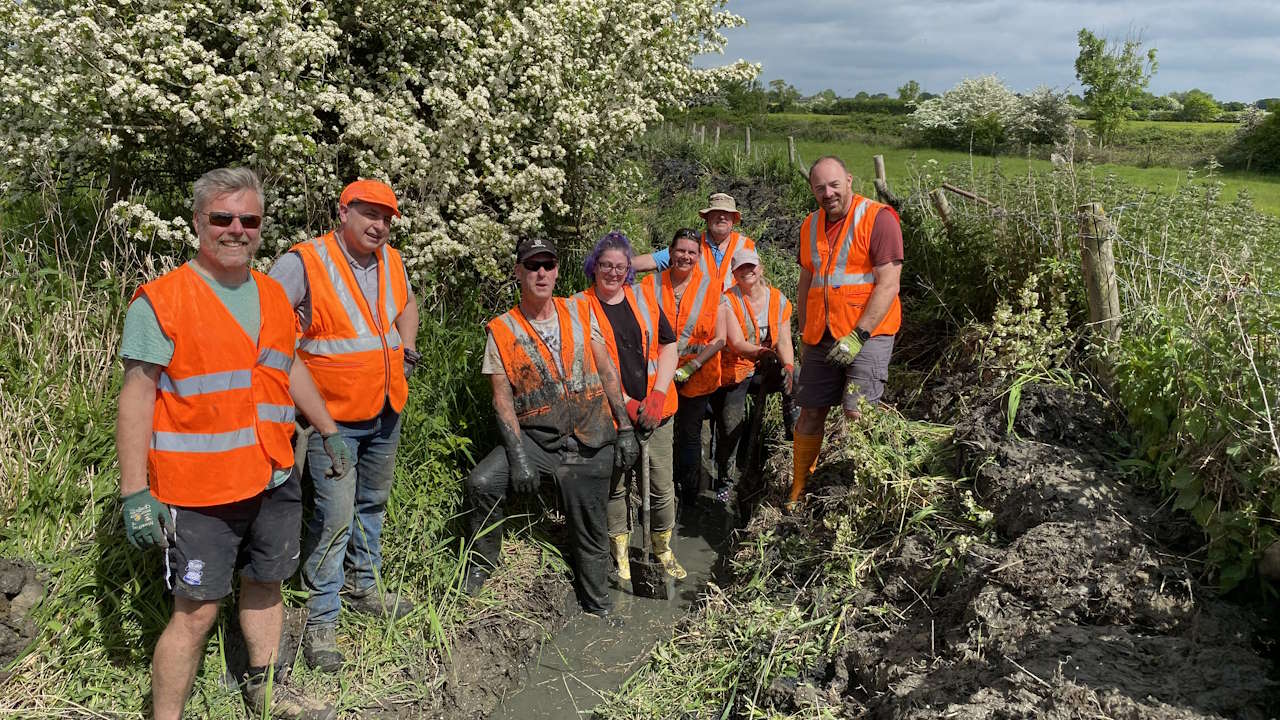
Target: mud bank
(21,589)
(1082,605)
(761,201)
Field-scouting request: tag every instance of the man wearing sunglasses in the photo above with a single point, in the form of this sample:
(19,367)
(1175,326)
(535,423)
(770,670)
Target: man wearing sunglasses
(561,418)
(204,437)
(359,322)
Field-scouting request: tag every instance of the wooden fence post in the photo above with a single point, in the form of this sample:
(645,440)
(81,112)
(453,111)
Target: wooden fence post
(939,198)
(1097,258)
(717,136)
(748,141)
(791,151)
(702,135)
(882,184)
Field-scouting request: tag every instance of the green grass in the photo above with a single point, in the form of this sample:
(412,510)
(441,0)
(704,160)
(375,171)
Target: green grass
(1206,128)
(1263,190)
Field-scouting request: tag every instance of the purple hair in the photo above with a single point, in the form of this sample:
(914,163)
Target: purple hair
(611,241)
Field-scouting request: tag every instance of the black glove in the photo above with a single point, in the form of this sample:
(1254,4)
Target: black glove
(626,450)
(411,359)
(524,477)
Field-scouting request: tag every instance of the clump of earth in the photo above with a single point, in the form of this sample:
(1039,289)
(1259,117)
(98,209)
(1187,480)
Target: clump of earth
(1082,606)
(21,589)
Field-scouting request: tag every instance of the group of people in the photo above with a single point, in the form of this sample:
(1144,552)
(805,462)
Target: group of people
(226,369)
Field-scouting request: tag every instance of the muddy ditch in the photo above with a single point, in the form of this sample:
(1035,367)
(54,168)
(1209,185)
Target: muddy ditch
(1082,605)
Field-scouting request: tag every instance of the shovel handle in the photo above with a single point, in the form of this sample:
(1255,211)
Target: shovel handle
(644,494)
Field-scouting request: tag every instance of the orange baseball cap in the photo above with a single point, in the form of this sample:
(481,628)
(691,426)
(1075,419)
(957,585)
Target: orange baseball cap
(370,191)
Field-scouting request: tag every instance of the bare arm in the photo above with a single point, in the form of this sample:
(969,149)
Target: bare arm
(407,322)
(802,293)
(307,398)
(644,263)
(786,353)
(133,423)
(668,359)
(888,276)
(612,386)
(504,405)
(733,334)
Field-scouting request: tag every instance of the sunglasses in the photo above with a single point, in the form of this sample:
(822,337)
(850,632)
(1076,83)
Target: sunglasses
(224,219)
(684,233)
(536,265)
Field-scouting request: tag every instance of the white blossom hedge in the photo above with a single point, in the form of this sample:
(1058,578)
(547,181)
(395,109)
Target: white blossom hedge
(490,117)
(983,113)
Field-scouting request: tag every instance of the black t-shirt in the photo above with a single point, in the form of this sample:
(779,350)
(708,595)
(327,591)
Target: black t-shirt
(631,357)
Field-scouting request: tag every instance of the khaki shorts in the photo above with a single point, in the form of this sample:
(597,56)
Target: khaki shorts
(823,385)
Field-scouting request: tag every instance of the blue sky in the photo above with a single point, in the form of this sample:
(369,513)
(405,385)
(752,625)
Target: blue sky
(1229,48)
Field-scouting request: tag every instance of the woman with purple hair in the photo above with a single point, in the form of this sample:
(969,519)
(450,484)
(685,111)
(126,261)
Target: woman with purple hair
(642,346)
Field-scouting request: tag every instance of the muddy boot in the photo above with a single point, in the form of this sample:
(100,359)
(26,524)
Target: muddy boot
(320,648)
(379,603)
(662,549)
(282,701)
(618,544)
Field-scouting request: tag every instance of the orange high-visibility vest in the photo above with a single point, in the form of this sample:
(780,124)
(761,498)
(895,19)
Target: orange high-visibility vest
(551,405)
(648,322)
(694,322)
(843,277)
(353,351)
(733,367)
(707,261)
(223,418)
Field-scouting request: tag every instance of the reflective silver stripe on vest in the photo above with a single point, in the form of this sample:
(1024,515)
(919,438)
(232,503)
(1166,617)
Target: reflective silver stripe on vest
(838,277)
(275,359)
(209,383)
(576,379)
(388,295)
(203,442)
(642,305)
(751,332)
(340,288)
(275,413)
(695,312)
(341,347)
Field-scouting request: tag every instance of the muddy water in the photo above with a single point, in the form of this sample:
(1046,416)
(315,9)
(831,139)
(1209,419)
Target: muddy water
(565,679)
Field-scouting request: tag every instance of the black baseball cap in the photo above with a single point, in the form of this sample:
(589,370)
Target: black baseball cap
(528,247)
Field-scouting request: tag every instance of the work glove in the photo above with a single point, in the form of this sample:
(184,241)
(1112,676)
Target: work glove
(651,409)
(845,350)
(633,410)
(146,520)
(686,371)
(788,378)
(626,449)
(411,359)
(524,477)
(340,460)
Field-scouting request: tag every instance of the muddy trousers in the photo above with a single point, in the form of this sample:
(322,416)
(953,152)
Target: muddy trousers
(662,489)
(734,420)
(688,445)
(581,475)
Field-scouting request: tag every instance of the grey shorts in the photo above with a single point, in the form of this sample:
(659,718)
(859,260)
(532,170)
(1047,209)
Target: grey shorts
(823,385)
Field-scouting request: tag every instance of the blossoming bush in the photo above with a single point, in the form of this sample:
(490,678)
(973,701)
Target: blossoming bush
(982,113)
(487,116)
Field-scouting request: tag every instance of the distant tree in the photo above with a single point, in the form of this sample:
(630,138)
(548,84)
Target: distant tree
(910,92)
(746,97)
(1198,106)
(862,95)
(1233,106)
(782,97)
(1113,74)
(926,96)
(1268,104)
(1257,142)
(824,99)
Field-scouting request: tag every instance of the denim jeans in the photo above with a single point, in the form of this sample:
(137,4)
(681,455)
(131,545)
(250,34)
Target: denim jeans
(343,540)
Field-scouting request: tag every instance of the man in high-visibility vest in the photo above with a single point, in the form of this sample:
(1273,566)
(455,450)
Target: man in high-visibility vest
(562,419)
(716,246)
(850,256)
(204,437)
(359,323)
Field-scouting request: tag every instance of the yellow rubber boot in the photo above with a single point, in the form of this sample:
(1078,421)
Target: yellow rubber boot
(618,544)
(662,548)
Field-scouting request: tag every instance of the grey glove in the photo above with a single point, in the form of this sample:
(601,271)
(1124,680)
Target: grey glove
(524,477)
(340,459)
(411,359)
(626,450)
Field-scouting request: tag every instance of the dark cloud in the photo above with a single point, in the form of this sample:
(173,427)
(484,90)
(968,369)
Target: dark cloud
(1226,48)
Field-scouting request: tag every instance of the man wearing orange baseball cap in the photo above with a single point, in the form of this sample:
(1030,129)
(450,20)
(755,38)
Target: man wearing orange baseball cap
(358,320)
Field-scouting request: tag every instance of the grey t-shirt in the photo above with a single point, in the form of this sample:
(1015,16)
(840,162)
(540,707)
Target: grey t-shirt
(143,339)
(290,272)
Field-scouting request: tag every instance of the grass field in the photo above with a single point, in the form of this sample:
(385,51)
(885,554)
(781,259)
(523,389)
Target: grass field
(1263,190)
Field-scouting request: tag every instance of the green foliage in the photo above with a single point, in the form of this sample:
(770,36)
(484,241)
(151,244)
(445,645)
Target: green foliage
(782,97)
(1256,145)
(1198,106)
(909,92)
(1113,76)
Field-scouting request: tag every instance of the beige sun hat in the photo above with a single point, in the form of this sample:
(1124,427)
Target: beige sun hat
(721,201)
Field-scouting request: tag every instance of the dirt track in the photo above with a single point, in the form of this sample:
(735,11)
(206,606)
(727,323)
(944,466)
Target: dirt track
(1084,609)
